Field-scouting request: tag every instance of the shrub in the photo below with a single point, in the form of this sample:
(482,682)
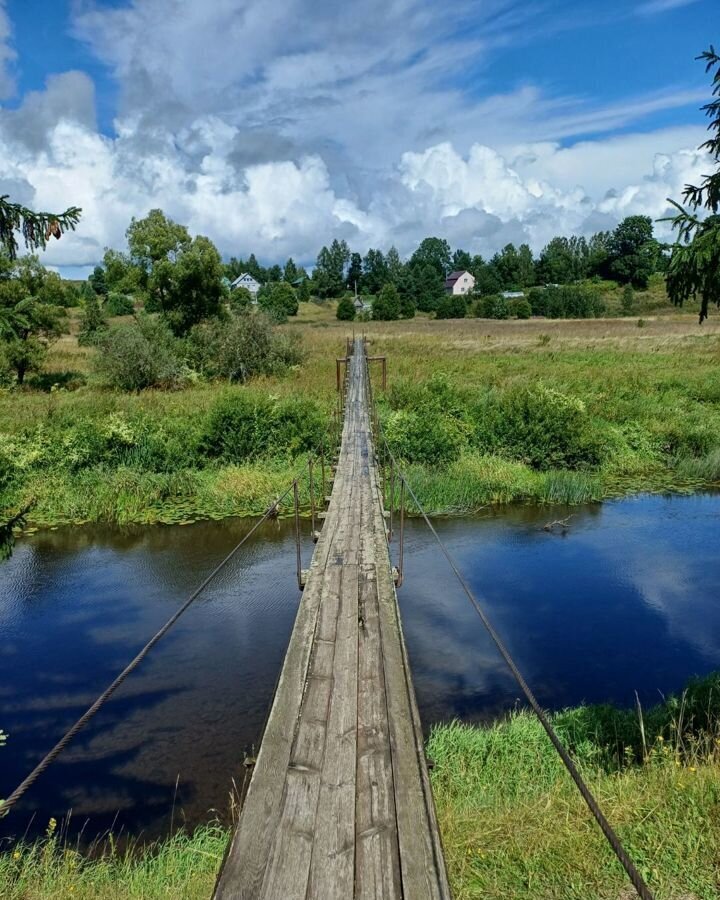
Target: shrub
(140,355)
(520,307)
(92,322)
(419,437)
(279,299)
(539,426)
(245,426)
(346,310)
(452,306)
(244,346)
(118,305)
(240,298)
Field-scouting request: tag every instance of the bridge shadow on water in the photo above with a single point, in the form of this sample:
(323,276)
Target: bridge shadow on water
(625,600)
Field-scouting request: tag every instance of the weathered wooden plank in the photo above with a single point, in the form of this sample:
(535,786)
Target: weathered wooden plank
(333,857)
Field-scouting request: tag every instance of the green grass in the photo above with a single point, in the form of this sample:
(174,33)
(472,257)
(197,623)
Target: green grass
(514,825)
(182,867)
(651,401)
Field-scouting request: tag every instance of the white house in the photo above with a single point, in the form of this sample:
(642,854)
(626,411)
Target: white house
(459,283)
(247,281)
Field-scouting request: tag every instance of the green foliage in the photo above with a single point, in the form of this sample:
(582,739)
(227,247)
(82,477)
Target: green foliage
(245,426)
(240,298)
(346,309)
(92,321)
(572,301)
(35,227)
(194,289)
(520,308)
(386,306)
(434,253)
(694,268)
(140,355)
(452,306)
(539,426)
(633,252)
(627,300)
(97,281)
(279,299)
(492,307)
(416,437)
(244,346)
(118,304)
(29,322)
(375,272)
(329,275)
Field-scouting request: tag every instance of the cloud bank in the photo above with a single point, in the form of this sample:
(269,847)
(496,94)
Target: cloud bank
(274,127)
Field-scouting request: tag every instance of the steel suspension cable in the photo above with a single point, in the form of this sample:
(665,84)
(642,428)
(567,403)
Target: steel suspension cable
(628,865)
(51,756)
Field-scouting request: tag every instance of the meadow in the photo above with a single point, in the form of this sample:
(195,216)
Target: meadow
(480,411)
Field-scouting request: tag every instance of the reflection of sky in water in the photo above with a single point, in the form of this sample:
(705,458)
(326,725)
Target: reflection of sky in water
(625,601)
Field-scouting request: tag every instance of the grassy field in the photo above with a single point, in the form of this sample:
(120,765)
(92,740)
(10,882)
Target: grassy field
(644,400)
(512,822)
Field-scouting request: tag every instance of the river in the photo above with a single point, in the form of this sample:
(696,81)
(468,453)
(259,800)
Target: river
(626,599)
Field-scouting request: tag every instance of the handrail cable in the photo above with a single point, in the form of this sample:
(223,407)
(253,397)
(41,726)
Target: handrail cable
(628,865)
(7,804)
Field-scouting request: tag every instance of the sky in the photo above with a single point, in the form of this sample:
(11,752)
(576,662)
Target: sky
(273,127)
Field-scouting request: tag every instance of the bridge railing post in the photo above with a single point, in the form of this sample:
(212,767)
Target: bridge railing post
(298,557)
(311,482)
(401,552)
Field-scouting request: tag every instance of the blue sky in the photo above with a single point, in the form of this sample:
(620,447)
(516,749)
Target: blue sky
(275,126)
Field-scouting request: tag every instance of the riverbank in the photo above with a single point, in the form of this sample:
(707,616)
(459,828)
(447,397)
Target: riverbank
(482,412)
(512,822)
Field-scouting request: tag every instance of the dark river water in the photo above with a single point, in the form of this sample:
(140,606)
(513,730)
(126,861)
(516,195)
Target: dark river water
(627,600)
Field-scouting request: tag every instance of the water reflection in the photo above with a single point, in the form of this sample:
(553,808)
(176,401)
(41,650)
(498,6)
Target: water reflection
(625,601)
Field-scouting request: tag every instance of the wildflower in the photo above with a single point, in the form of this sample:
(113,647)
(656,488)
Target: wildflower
(692,768)
(16,854)
(661,738)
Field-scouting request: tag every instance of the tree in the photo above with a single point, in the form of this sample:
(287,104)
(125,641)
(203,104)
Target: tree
(434,252)
(329,274)
(120,273)
(375,271)
(627,299)
(355,271)
(28,325)
(346,309)
(97,281)
(526,266)
(633,251)
(92,321)
(429,287)
(694,269)
(279,299)
(394,266)
(240,298)
(386,306)
(291,273)
(461,261)
(194,286)
(36,227)
(487,280)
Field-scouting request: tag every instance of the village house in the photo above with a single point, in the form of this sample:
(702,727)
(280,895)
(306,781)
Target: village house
(459,283)
(247,281)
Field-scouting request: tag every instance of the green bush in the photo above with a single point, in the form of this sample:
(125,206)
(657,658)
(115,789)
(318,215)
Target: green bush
(118,305)
(242,347)
(346,310)
(520,308)
(140,355)
(421,437)
(245,426)
(539,426)
(491,307)
(452,306)
(386,306)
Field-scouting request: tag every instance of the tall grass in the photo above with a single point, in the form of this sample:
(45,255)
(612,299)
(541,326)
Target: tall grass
(514,825)
(182,867)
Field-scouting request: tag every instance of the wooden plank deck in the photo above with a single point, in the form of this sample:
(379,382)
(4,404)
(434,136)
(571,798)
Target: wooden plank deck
(339,805)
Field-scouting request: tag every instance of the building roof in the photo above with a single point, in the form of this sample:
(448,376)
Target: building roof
(243,277)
